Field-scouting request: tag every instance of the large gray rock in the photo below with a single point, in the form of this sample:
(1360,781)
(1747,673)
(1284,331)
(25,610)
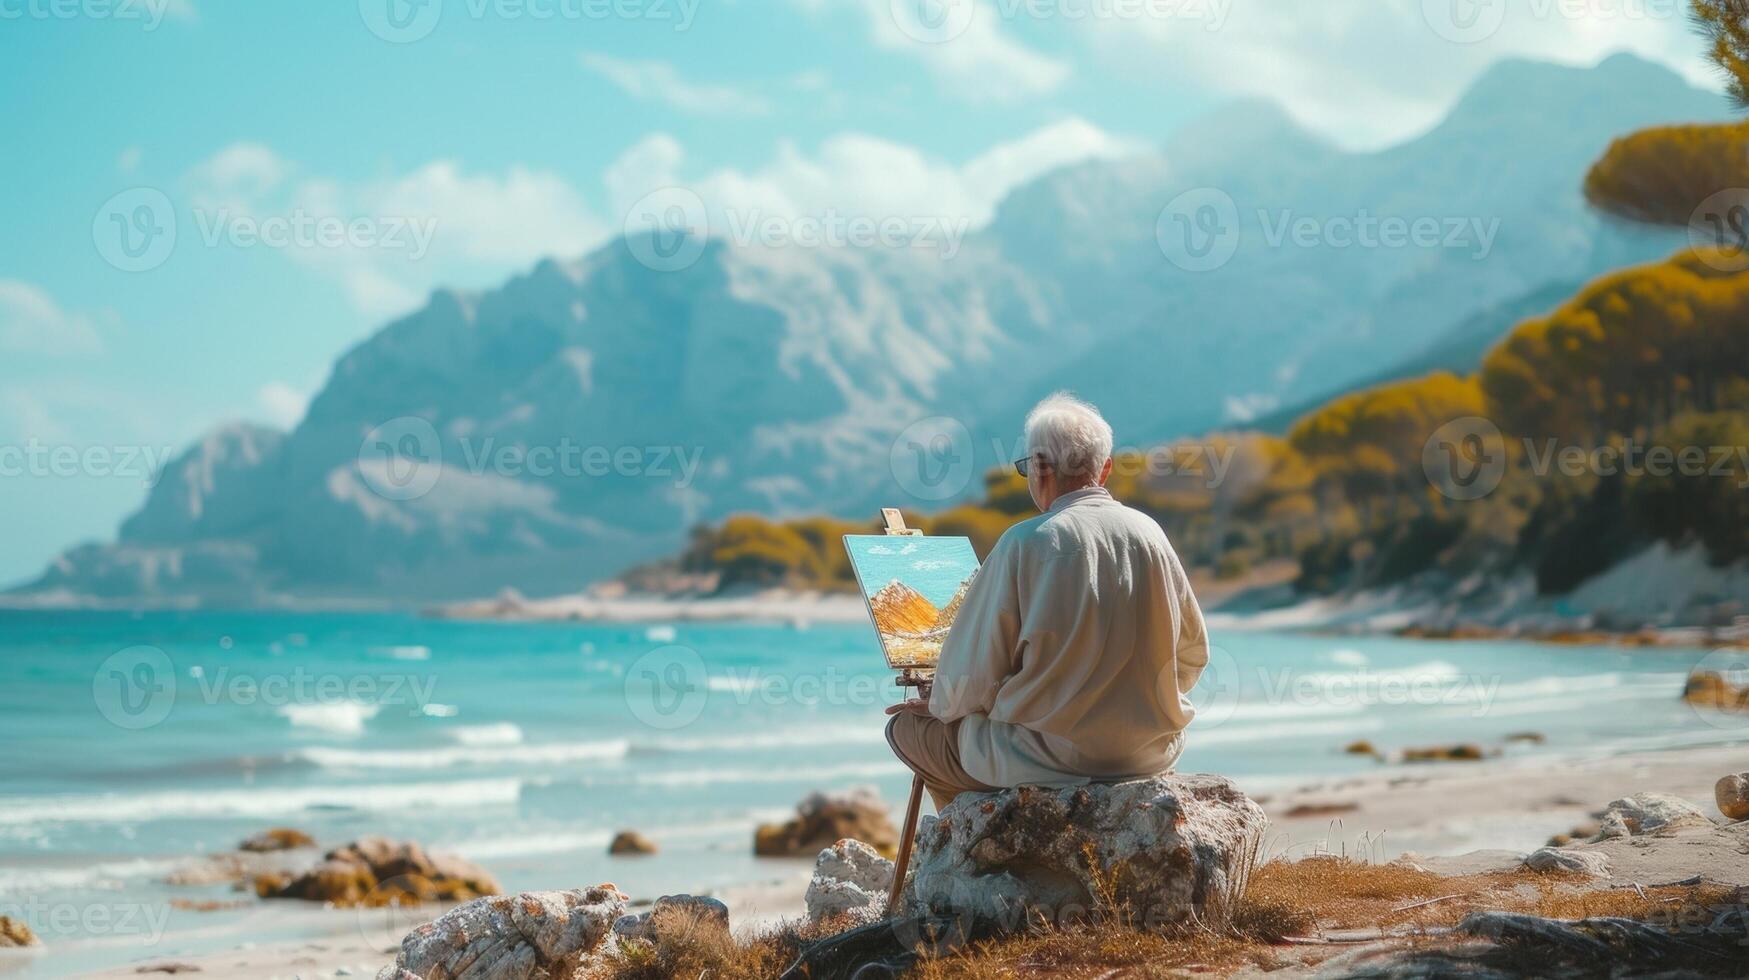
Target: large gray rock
(1647,813)
(850,878)
(1165,850)
(531,936)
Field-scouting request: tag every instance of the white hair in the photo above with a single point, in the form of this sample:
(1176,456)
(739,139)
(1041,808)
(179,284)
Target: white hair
(1071,435)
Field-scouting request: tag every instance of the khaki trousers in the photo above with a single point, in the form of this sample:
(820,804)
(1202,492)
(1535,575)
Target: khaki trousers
(931,748)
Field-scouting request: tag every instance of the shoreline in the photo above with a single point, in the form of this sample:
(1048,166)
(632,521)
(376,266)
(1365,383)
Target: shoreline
(1449,817)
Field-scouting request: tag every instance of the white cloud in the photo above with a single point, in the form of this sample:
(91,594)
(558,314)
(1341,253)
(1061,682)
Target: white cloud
(658,81)
(1373,72)
(862,175)
(31,322)
(443,226)
(284,405)
(435,225)
(974,58)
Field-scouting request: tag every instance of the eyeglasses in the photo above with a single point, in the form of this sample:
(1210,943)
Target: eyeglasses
(1022,465)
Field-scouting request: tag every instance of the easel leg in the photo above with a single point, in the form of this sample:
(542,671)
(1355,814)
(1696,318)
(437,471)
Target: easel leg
(906,835)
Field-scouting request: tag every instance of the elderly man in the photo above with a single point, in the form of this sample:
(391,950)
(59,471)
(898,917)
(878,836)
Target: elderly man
(1072,656)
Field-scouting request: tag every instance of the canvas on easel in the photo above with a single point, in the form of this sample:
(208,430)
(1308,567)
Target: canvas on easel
(914,586)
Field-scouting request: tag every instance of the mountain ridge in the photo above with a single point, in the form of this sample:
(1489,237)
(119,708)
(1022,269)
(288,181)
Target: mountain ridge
(790,371)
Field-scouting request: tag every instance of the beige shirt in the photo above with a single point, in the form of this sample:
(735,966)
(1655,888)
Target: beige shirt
(1074,652)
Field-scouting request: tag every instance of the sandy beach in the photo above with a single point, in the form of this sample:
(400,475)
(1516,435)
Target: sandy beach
(1451,818)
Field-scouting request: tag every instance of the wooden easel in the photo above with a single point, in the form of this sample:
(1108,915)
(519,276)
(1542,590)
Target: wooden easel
(921,680)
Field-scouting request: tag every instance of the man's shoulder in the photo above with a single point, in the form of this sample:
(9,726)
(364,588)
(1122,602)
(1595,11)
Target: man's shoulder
(1021,534)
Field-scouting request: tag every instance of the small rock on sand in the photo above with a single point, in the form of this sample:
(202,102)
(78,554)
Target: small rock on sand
(16,933)
(1646,813)
(1445,753)
(1711,690)
(277,839)
(631,842)
(690,911)
(1590,863)
(822,819)
(1732,794)
(375,871)
(849,879)
(531,936)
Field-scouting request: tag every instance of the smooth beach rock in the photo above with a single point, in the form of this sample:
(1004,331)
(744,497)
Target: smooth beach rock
(1712,690)
(631,842)
(1445,753)
(691,911)
(531,936)
(1732,795)
(850,878)
(1167,849)
(277,839)
(1590,863)
(16,933)
(1646,813)
(375,871)
(823,819)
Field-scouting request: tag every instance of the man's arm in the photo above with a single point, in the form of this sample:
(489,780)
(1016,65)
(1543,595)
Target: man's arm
(1193,640)
(983,647)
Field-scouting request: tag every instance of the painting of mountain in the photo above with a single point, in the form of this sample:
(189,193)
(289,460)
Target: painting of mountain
(580,418)
(915,587)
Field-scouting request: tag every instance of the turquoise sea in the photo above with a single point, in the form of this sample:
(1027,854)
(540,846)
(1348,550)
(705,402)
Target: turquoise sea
(132,742)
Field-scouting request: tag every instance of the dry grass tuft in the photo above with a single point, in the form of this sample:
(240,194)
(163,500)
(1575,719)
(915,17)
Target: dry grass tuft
(1301,899)
(688,945)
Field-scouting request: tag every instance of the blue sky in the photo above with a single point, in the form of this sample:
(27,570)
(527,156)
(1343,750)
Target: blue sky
(514,129)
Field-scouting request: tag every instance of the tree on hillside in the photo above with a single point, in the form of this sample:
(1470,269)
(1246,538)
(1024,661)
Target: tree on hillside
(1368,444)
(1725,24)
(1625,356)
(1663,175)
(1660,176)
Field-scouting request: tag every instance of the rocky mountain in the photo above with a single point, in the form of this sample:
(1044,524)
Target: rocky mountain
(899,609)
(578,419)
(951,611)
